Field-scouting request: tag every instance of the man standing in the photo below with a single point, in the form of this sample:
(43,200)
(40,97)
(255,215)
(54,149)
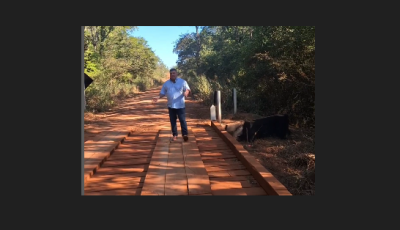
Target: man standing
(176,89)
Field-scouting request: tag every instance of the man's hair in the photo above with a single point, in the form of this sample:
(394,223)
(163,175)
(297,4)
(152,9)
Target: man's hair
(173,70)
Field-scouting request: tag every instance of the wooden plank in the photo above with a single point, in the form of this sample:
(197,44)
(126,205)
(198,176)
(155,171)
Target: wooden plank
(256,191)
(198,184)
(116,192)
(214,163)
(126,162)
(112,186)
(113,177)
(206,138)
(266,180)
(176,189)
(122,176)
(219,185)
(129,157)
(239,172)
(175,178)
(229,173)
(201,149)
(139,145)
(154,182)
(154,178)
(200,194)
(134,149)
(218,174)
(230,178)
(198,180)
(218,157)
(121,170)
(224,168)
(152,189)
(215,154)
(123,149)
(142,138)
(211,141)
(221,160)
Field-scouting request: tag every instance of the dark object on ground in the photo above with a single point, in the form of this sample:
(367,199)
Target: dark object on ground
(276,125)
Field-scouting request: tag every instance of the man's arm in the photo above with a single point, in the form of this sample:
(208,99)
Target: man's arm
(186,93)
(163,91)
(187,89)
(161,95)
(155,99)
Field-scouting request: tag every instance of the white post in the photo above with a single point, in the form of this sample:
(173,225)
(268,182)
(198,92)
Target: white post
(219,105)
(234,101)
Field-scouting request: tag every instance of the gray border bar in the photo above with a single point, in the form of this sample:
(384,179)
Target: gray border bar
(82,111)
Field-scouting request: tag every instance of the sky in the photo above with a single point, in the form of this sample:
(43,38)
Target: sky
(161,39)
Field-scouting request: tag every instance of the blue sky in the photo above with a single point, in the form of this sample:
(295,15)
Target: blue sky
(161,40)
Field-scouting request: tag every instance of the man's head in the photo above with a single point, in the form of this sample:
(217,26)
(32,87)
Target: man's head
(173,74)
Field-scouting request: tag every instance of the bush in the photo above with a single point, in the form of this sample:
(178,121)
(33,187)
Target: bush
(104,93)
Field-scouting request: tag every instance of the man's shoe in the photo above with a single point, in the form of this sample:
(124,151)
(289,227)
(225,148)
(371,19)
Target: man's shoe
(185,138)
(173,138)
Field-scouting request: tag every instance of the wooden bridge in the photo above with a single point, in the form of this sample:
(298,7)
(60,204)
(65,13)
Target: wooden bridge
(130,153)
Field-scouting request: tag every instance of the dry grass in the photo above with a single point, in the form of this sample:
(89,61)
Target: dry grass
(291,161)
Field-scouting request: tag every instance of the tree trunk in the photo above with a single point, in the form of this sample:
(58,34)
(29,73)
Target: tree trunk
(198,50)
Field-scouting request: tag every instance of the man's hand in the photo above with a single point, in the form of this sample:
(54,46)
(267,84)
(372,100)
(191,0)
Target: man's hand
(155,99)
(186,93)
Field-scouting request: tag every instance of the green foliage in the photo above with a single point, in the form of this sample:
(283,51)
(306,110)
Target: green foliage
(201,87)
(119,64)
(90,65)
(272,67)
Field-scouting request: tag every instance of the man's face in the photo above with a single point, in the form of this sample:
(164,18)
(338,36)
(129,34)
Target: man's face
(172,75)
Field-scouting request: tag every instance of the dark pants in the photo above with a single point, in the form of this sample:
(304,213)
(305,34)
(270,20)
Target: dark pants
(180,113)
